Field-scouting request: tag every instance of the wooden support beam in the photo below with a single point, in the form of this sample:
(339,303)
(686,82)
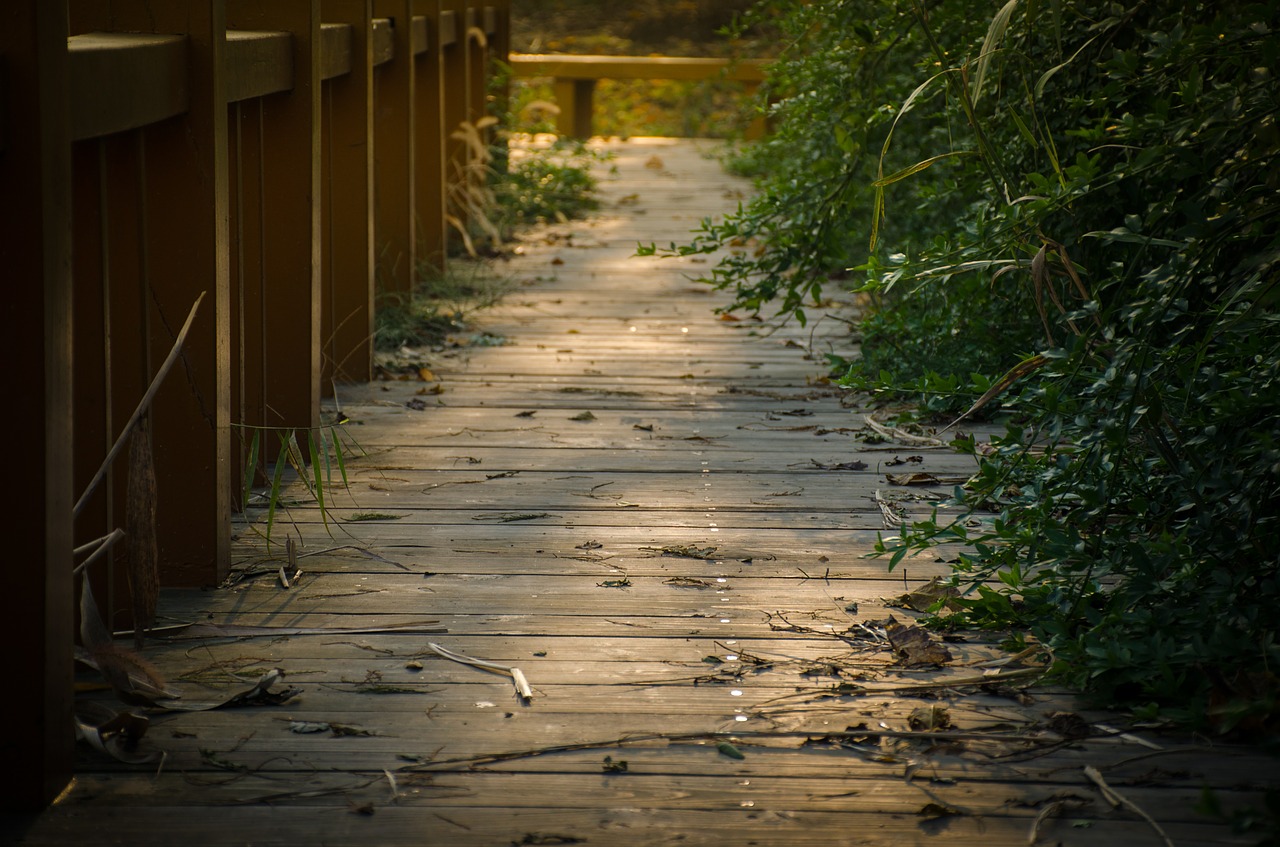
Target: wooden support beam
(346,191)
(185,252)
(393,152)
(35,250)
(576,99)
(280,368)
(430,174)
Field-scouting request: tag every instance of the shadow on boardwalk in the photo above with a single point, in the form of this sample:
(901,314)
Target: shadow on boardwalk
(660,515)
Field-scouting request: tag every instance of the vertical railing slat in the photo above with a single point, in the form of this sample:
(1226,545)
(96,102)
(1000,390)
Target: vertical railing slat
(283,344)
(430,174)
(346,189)
(394,153)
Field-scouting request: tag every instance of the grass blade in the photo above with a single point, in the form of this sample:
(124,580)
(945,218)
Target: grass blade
(995,34)
(273,498)
(318,481)
(250,470)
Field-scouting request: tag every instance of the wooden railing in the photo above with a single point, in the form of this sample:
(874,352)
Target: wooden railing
(574,80)
(281,158)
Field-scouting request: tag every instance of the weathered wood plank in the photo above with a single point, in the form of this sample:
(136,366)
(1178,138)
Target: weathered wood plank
(764,826)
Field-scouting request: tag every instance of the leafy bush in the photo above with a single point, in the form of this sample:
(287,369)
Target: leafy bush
(547,184)
(1073,205)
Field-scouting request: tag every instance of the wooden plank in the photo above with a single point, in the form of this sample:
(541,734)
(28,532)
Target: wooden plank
(451,824)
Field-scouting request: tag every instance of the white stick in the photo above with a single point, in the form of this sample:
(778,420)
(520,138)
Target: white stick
(517,675)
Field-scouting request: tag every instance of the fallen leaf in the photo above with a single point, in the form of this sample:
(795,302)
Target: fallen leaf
(929,718)
(583,416)
(687,582)
(687,551)
(426,375)
(927,596)
(855,465)
(1070,725)
(933,811)
(915,647)
(727,749)
(308,727)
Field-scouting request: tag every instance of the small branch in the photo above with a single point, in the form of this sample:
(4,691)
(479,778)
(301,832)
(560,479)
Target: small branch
(1117,800)
(103,545)
(143,405)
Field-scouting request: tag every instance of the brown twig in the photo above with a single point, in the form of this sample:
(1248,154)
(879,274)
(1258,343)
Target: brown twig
(143,405)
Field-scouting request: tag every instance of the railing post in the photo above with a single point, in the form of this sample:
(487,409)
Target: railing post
(186,252)
(394,154)
(430,173)
(282,367)
(453,27)
(35,250)
(575,97)
(346,188)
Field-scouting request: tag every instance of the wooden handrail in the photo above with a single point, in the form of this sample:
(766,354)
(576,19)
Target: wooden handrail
(258,64)
(384,45)
(335,50)
(572,66)
(121,81)
(574,78)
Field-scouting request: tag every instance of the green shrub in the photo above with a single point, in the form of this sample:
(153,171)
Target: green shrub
(1073,204)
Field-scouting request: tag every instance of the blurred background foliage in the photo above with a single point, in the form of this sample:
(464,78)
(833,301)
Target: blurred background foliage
(661,27)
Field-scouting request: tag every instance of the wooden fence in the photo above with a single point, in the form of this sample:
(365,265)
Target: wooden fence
(285,160)
(574,80)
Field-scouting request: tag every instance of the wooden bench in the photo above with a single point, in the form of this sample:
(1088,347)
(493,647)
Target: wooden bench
(574,79)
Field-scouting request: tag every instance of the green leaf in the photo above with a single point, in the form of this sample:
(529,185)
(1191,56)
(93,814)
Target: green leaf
(316,477)
(918,167)
(995,34)
(727,749)
(273,497)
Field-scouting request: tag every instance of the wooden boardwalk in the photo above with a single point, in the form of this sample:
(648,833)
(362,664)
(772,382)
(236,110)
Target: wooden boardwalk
(660,516)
